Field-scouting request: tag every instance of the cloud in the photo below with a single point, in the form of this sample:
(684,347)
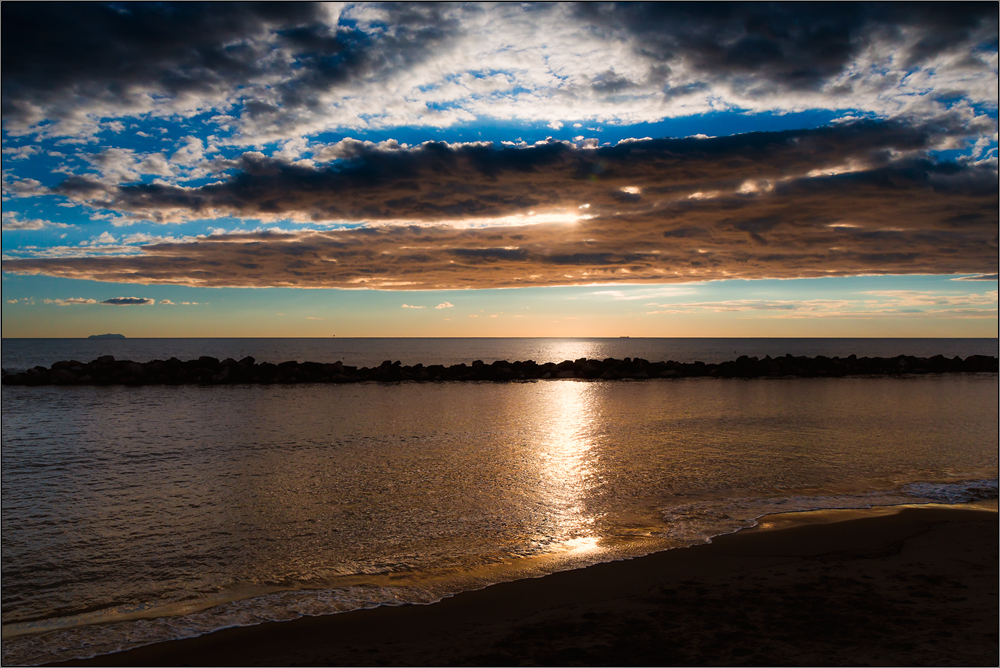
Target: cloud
(648,293)
(871,304)
(980,277)
(104,238)
(272,62)
(934,298)
(436,181)
(278,72)
(910,219)
(122,165)
(445,305)
(16,187)
(409,306)
(862,197)
(735,305)
(72,301)
(12,221)
(20,152)
(758,48)
(191,152)
(167,302)
(129,301)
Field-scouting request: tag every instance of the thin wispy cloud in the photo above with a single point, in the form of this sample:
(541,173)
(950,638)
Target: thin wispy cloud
(72,301)
(13,221)
(867,304)
(980,277)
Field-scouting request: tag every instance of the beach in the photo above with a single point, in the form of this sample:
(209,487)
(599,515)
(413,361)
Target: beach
(911,585)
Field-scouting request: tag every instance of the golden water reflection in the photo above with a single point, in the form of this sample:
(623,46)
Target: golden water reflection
(557,350)
(563,447)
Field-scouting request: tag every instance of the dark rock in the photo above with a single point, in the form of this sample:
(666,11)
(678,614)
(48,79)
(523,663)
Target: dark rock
(208,370)
(979,364)
(63,376)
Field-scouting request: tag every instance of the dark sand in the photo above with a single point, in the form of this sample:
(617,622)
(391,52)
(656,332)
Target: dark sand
(909,586)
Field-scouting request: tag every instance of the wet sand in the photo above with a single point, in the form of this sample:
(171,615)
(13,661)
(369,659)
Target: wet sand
(904,586)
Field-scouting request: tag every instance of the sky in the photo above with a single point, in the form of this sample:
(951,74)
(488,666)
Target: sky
(342,169)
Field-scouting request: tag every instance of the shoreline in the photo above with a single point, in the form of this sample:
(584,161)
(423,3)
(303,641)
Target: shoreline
(904,585)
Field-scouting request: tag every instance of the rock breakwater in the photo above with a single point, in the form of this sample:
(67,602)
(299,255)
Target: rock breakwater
(211,371)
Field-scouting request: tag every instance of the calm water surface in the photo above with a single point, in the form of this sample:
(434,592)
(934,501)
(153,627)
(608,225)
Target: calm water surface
(133,515)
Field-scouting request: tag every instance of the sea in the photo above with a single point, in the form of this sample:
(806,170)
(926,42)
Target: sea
(135,515)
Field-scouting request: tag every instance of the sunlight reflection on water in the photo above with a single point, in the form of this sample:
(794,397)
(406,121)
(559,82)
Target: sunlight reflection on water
(563,455)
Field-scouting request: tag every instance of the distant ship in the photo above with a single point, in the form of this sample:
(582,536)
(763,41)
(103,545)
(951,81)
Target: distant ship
(106,336)
(622,337)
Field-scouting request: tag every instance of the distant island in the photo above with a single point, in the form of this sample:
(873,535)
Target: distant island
(106,336)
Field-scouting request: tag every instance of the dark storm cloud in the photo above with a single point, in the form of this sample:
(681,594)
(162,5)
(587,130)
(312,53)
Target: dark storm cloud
(438,182)
(764,47)
(105,48)
(55,51)
(114,55)
(285,69)
(129,301)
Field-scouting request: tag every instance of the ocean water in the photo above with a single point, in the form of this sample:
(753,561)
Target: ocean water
(136,515)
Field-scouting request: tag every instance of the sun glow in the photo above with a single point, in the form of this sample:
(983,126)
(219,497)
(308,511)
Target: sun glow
(519,219)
